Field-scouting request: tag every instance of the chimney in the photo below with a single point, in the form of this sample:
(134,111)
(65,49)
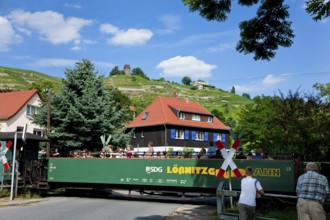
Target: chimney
(175,95)
(186,99)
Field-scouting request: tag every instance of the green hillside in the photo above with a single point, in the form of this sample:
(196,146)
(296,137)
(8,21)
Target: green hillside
(19,79)
(140,90)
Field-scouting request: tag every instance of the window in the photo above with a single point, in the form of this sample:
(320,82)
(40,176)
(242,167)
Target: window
(179,134)
(142,134)
(182,115)
(196,117)
(38,133)
(31,110)
(19,129)
(199,136)
(134,136)
(218,137)
(209,119)
(145,115)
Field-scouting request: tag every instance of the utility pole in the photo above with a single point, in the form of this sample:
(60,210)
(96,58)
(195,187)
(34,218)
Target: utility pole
(49,92)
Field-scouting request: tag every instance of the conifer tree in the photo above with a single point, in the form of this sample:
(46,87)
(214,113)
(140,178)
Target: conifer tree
(83,110)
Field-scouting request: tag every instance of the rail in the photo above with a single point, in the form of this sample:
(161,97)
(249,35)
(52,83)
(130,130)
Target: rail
(221,193)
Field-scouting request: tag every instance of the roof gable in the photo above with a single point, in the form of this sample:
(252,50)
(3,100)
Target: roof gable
(12,102)
(164,110)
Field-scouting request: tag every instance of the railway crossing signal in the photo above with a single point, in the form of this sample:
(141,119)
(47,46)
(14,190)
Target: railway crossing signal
(3,151)
(228,159)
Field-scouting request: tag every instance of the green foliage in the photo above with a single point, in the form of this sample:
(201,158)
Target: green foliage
(115,71)
(84,110)
(211,10)
(44,86)
(186,80)
(233,90)
(266,32)
(246,95)
(323,88)
(138,72)
(295,123)
(318,8)
(263,34)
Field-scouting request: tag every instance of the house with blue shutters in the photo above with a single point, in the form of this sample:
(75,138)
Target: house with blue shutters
(176,123)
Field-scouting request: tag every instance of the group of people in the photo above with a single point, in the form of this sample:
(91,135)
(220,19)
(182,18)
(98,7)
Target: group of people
(312,189)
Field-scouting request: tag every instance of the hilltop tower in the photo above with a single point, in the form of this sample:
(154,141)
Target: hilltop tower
(127,69)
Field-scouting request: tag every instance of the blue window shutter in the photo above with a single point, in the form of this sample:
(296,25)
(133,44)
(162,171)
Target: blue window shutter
(223,138)
(193,135)
(186,135)
(215,136)
(173,133)
(206,136)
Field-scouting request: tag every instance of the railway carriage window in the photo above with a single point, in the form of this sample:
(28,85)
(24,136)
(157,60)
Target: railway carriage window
(179,134)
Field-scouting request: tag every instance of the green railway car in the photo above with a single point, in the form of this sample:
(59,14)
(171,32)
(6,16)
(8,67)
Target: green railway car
(185,175)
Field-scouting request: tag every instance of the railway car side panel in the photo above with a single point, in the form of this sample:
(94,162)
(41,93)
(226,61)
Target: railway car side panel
(275,176)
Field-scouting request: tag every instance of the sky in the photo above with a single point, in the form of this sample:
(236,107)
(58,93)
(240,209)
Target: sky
(164,39)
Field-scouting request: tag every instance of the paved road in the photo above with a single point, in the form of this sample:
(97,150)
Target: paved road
(72,208)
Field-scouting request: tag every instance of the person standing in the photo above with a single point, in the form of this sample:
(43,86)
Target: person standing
(250,189)
(150,152)
(211,150)
(312,189)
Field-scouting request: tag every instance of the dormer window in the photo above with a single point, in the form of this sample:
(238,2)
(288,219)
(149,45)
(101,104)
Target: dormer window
(209,119)
(145,115)
(196,117)
(182,115)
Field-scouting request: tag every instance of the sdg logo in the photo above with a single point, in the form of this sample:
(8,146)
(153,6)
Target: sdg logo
(154,170)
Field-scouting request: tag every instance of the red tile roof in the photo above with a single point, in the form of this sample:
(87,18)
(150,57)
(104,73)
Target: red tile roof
(12,102)
(162,112)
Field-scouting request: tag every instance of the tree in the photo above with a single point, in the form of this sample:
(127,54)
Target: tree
(263,34)
(186,80)
(287,124)
(83,110)
(246,95)
(138,72)
(43,86)
(233,90)
(116,71)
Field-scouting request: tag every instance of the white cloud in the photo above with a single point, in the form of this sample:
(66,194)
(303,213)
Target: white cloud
(60,62)
(129,37)
(258,85)
(220,47)
(271,80)
(50,25)
(186,66)
(108,29)
(54,62)
(172,23)
(7,34)
(72,6)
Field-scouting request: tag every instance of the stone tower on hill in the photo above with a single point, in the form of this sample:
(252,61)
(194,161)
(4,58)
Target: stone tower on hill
(127,69)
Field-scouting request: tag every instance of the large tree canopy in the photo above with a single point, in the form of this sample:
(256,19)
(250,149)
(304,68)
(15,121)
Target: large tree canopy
(270,29)
(287,124)
(84,110)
